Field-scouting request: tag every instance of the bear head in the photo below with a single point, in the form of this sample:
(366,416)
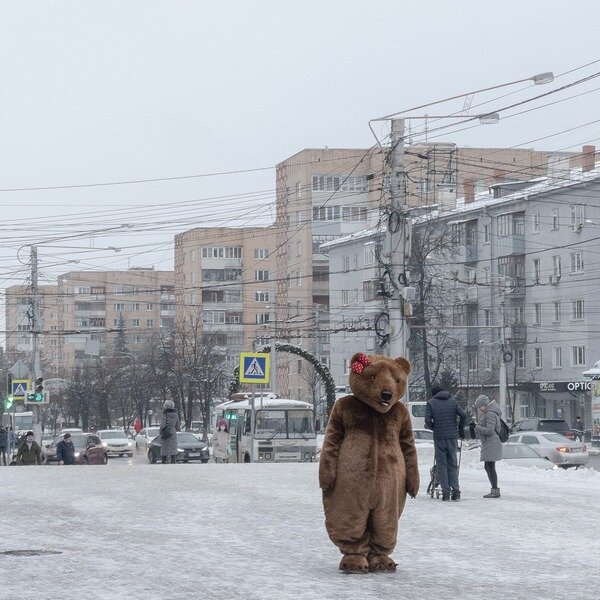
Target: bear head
(378,381)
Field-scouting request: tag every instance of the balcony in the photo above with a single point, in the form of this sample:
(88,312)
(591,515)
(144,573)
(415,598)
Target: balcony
(468,295)
(473,336)
(514,287)
(471,253)
(518,333)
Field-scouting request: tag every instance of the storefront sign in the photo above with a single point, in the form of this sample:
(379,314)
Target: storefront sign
(564,386)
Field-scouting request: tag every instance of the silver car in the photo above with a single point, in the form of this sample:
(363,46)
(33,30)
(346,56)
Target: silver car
(116,442)
(144,437)
(522,455)
(555,447)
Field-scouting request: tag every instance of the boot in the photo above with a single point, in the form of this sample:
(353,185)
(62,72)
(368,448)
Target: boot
(445,496)
(495,493)
(455,495)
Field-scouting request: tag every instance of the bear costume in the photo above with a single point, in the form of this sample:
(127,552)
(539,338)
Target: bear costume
(368,464)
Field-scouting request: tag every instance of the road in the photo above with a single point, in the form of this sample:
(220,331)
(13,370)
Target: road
(594,462)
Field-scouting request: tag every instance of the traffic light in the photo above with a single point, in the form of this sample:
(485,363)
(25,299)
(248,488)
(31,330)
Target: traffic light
(8,402)
(37,396)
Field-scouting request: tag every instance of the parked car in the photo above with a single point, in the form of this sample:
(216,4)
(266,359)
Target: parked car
(88,450)
(144,437)
(423,436)
(70,430)
(189,447)
(557,448)
(522,455)
(537,424)
(116,441)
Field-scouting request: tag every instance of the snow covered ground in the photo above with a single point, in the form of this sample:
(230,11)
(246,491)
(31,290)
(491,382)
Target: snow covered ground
(256,532)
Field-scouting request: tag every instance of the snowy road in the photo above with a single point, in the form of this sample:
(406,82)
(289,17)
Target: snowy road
(256,532)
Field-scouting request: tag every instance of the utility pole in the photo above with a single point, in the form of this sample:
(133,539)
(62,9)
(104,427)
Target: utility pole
(36,370)
(273,365)
(397,246)
(502,374)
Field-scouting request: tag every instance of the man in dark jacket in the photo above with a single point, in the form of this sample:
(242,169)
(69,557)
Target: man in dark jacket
(578,428)
(29,452)
(3,445)
(65,451)
(447,420)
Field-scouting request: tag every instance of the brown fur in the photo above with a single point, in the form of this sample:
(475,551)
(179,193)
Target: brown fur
(368,465)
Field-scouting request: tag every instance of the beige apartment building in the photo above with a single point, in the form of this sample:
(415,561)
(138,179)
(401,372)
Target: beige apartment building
(80,315)
(224,276)
(324,194)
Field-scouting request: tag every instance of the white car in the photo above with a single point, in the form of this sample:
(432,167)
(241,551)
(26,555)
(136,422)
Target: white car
(555,447)
(116,442)
(423,436)
(522,455)
(144,437)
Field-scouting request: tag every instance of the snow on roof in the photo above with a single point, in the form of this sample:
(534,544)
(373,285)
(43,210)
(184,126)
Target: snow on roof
(260,402)
(359,235)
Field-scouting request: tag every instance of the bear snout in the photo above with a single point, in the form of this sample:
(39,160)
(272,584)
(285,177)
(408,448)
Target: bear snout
(386,396)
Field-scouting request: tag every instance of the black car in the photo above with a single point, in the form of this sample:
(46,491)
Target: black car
(189,448)
(537,424)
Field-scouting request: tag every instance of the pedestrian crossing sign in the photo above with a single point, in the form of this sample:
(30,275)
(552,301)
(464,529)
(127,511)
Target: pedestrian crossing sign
(254,367)
(19,389)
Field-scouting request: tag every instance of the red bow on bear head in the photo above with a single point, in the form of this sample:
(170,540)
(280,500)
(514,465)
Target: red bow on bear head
(360,363)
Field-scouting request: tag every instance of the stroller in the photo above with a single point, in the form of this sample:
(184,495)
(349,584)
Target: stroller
(434,488)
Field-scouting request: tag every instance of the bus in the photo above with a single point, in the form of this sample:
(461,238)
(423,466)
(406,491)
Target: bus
(21,422)
(269,429)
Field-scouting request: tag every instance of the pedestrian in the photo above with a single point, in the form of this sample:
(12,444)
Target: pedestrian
(578,428)
(220,442)
(12,441)
(65,451)
(487,429)
(29,452)
(446,419)
(3,445)
(169,427)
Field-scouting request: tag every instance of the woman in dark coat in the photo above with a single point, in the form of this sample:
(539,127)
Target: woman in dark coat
(486,429)
(169,427)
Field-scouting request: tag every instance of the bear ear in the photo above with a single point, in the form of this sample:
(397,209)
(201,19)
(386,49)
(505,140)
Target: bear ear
(404,363)
(357,357)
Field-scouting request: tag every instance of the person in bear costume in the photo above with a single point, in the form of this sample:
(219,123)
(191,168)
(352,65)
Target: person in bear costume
(368,464)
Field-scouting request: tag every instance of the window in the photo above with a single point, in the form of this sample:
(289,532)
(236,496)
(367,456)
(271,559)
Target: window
(486,275)
(538,314)
(578,356)
(536,223)
(222,252)
(577,314)
(577,216)
(135,322)
(472,361)
(369,254)
(504,225)
(149,322)
(298,190)
(213,316)
(233,317)
(555,221)
(192,277)
(486,234)
(487,317)
(520,358)
(557,312)
(556,357)
(519,314)
(326,213)
(262,318)
(120,306)
(576,262)
(261,253)
(345,297)
(298,217)
(298,278)
(261,296)
(536,269)
(354,213)
(370,289)
(135,306)
(556,266)
(298,248)
(345,264)
(537,358)
(332,183)
(148,305)
(346,365)
(261,275)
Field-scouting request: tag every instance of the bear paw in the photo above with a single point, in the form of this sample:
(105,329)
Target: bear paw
(381,562)
(354,564)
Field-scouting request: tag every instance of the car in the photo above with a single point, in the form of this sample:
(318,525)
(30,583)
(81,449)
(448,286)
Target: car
(538,424)
(522,455)
(555,447)
(423,436)
(116,441)
(88,449)
(188,448)
(70,430)
(144,437)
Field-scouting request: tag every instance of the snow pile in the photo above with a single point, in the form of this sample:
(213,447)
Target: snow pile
(256,532)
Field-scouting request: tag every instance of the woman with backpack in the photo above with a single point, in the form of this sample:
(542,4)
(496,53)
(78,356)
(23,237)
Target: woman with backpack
(169,427)
(487,429)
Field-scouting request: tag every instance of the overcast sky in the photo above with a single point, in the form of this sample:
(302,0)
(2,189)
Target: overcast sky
(109,91)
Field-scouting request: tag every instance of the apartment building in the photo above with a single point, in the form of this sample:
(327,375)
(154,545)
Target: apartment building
(82,312)
(225,276)
(518,279)
(326,194)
